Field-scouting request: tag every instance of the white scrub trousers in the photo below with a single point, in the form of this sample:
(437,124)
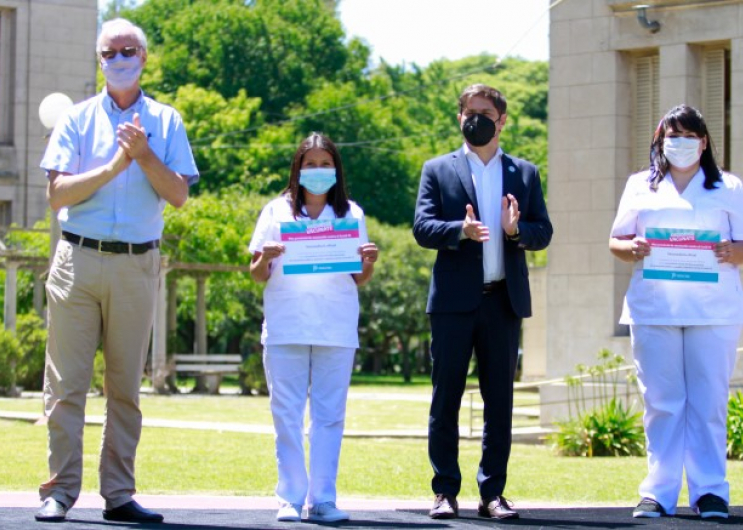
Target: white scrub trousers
(324,373)
(684,374)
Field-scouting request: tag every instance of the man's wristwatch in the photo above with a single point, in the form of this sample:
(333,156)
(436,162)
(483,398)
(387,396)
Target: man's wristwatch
(515,236)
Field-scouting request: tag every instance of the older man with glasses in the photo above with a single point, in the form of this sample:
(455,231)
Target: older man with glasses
(113,163)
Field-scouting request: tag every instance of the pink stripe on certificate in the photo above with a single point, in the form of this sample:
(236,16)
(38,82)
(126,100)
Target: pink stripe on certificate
(330,234)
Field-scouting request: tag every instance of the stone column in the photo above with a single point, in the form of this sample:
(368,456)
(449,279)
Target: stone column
(680,77)
(736,106)
(11,279)
(736,140)
(201,314)
(160,333)
(39,292)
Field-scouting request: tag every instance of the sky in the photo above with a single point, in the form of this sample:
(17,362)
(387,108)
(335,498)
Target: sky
(421,31)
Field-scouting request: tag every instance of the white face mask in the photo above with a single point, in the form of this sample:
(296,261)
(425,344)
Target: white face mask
(122,72)
(682,152)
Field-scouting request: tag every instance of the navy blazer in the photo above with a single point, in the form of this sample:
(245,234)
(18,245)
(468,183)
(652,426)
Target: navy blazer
(446,189)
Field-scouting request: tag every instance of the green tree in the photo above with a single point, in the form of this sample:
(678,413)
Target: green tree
(209,118)
(393,327)
(276,50)
(215,228)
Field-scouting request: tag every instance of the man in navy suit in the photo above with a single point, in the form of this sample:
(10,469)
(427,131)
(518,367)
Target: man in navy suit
(480,209)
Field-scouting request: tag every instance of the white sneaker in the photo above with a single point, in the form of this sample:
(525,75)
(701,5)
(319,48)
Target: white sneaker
(289,512)
(326,512)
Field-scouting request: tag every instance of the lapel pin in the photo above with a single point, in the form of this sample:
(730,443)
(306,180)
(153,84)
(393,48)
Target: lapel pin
(511,169)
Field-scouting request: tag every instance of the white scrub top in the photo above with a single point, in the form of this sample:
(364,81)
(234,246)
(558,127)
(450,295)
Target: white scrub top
(681,303)
(313,309)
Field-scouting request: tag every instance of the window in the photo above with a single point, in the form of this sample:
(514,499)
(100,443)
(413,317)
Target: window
(716,100)
(7,77)
(645,107)
(6,216)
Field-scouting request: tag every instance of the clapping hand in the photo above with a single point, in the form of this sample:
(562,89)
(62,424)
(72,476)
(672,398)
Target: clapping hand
(133,139)
(509,216)
(473,228)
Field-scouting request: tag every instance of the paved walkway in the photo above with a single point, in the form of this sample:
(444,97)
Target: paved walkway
(520,434)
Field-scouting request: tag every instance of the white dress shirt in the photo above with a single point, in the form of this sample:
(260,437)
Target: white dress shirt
(488,181)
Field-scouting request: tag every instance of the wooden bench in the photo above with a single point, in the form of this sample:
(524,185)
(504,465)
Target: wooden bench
(208,368)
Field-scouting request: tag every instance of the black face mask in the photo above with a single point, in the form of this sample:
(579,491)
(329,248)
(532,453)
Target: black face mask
(478,129)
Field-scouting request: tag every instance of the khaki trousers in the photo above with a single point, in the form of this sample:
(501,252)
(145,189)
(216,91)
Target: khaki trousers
(93,298)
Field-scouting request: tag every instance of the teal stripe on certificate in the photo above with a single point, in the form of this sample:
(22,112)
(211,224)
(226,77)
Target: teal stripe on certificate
(353,266)
(650,274)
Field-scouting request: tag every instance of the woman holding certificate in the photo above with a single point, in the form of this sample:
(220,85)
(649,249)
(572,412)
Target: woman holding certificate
(310,331)
(681,224)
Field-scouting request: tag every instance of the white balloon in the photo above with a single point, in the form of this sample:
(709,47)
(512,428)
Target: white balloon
(52,107)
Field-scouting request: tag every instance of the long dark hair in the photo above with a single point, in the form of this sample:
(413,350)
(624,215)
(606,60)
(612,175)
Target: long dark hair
(689,119)
(337,195)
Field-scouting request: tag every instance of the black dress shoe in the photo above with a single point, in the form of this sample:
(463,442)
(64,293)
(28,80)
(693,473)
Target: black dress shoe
(52,511)
(444,507)
(132,512)
(497,508)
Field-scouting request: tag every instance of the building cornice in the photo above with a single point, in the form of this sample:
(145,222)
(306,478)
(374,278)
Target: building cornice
(623,6)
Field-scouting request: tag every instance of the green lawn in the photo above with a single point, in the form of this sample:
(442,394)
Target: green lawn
(211,462)
(173,461)
(369,408)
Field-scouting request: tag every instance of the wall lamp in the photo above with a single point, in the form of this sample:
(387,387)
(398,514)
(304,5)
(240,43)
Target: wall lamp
(642,18)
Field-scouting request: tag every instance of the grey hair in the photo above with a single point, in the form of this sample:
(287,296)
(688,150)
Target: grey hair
(119,26)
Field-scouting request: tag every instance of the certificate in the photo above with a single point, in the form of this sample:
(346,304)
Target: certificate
(322,246)
(681,255)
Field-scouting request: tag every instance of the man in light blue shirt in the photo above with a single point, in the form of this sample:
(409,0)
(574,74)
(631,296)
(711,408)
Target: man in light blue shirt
(113,162)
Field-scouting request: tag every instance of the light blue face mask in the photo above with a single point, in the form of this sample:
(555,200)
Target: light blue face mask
(121,72)
(317,180)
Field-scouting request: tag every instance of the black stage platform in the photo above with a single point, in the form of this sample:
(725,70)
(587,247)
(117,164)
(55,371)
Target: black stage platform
(541,518)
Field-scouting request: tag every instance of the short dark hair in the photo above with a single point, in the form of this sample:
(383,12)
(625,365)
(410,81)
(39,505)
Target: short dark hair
(689,119)
(479,89)
(337,196)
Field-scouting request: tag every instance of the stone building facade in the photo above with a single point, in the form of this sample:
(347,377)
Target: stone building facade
(613,74)
(45,46)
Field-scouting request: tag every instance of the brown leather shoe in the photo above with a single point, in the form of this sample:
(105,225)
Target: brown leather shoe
(444,507)
(497,508)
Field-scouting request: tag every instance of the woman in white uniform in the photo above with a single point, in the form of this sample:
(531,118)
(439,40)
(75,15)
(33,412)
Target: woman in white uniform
(684,333)
(310,333)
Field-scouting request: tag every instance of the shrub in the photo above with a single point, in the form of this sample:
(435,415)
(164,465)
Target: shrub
(612,430)
(31,335)
(609,427)
(10,352)
(99,369)
(735,426)
(253,375)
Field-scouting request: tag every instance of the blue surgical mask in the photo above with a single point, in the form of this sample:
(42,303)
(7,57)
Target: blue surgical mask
(317,180)
(121,72)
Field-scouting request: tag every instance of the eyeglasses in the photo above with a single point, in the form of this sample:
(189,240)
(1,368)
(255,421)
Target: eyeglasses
(129,51)
(493,115)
